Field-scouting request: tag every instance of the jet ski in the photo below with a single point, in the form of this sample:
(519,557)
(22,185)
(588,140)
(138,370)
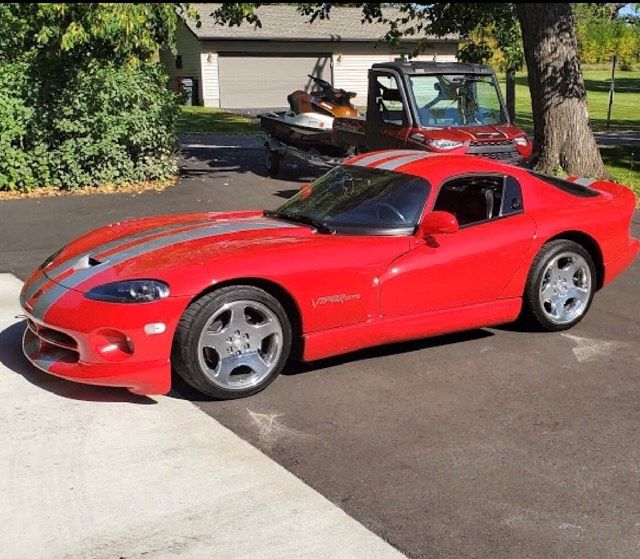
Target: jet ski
(309,120)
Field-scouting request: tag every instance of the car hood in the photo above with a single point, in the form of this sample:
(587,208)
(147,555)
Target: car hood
(145,248)
(486,133)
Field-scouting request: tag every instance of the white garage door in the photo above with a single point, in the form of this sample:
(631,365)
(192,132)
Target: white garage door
(248,82)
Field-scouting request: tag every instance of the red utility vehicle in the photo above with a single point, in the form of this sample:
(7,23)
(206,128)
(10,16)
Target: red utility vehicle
(436,107)
(390,246)
(440,107)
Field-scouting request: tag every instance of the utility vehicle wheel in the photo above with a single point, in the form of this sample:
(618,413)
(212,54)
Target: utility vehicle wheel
(271,161)
(560,286)
(232,342)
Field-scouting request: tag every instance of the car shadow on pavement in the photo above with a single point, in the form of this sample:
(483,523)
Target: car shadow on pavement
(12,358)
(182,391)
(209,161)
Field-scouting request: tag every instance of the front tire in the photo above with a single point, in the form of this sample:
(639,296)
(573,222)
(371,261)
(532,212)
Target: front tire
(560,286)
(232,343)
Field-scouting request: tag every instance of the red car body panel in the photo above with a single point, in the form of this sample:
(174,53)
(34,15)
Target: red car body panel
(343,292)
(488,134)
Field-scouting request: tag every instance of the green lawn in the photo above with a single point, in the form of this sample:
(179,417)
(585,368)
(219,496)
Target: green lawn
(622,161)
(625,113)
(198,120)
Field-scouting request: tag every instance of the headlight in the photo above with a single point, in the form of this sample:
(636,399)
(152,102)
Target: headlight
(134,291)
(50,258)
(521,141)
(445,144)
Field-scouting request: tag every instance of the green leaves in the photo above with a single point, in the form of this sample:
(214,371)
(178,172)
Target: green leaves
(74,31)
(80,103)
(93,124)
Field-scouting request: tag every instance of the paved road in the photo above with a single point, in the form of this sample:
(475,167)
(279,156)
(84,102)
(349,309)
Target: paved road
(492,443)
(620,138)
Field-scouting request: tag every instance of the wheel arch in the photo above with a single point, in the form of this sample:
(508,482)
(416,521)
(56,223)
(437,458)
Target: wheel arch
(590,245)
(274,289)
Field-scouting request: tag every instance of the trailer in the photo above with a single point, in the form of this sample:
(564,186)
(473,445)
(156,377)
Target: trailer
(451,108)
(275,150)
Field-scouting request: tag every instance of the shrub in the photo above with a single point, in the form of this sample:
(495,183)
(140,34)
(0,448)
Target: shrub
(75,127)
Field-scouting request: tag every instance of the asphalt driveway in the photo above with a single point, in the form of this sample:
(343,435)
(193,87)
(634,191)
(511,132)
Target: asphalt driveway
(491,443)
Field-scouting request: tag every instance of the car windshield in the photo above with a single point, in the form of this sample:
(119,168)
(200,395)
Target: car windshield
(360,200)
(457,100)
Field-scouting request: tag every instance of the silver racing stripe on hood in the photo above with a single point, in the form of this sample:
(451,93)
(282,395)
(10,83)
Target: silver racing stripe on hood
(53,273)
(49,297)
(400,161)
(584,181)
(371,160)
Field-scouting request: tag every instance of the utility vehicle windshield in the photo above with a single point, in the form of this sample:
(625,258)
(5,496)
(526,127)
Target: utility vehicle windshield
(457,100)
(357,199)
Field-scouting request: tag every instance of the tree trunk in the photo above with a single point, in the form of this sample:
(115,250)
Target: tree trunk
(562,132)
(511,94)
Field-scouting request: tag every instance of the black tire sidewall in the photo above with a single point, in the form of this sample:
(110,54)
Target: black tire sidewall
(185,354)
(533,309)
(271,161)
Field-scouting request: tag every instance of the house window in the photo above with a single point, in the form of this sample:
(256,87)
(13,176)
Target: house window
(476,199)
(179,62)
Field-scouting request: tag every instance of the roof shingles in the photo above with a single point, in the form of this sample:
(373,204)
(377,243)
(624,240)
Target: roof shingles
(283,23)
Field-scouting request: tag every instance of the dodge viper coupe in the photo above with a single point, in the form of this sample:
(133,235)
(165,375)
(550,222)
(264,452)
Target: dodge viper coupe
(389,246)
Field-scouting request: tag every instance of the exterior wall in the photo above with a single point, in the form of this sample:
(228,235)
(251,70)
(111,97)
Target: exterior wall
(188,47)
(350,61)
(210,85)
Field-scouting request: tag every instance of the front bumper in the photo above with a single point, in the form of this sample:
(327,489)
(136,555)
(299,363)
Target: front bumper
(102,343)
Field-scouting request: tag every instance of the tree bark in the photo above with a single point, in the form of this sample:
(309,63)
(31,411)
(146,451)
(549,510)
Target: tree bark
(511,94)
(563,138)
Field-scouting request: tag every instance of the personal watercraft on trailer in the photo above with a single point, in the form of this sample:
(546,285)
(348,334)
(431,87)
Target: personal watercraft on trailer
(309,120)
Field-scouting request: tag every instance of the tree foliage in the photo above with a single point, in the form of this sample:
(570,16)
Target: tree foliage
(603,34)
(81,101)
(79,31)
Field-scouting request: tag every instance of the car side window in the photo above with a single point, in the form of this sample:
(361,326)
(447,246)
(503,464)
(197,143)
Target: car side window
(389,100)
(476,199)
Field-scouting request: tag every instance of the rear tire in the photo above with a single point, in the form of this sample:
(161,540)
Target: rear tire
(560,286)
(271,161)
(232,343)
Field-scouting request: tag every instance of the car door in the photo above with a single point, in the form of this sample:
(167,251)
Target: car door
(388,118)
(472,265)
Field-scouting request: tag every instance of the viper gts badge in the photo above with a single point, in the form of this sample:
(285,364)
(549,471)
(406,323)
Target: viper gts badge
(341,298)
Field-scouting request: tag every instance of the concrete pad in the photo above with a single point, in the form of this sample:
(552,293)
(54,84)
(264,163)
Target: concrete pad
(92,472)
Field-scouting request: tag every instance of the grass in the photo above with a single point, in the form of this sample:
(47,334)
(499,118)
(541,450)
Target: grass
(622,161)
(624,113)
(203,120)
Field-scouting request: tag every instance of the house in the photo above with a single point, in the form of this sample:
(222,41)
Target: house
(246,67)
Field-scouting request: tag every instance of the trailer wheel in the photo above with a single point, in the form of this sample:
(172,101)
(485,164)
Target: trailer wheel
(271,161)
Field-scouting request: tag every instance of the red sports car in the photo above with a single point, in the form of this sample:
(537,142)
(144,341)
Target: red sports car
(390,246)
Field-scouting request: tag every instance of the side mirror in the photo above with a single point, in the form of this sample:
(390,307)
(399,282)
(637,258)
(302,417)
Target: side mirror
(443,223)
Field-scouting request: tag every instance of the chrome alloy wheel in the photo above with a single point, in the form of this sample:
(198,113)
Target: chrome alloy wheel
(565,289)
(240,345)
